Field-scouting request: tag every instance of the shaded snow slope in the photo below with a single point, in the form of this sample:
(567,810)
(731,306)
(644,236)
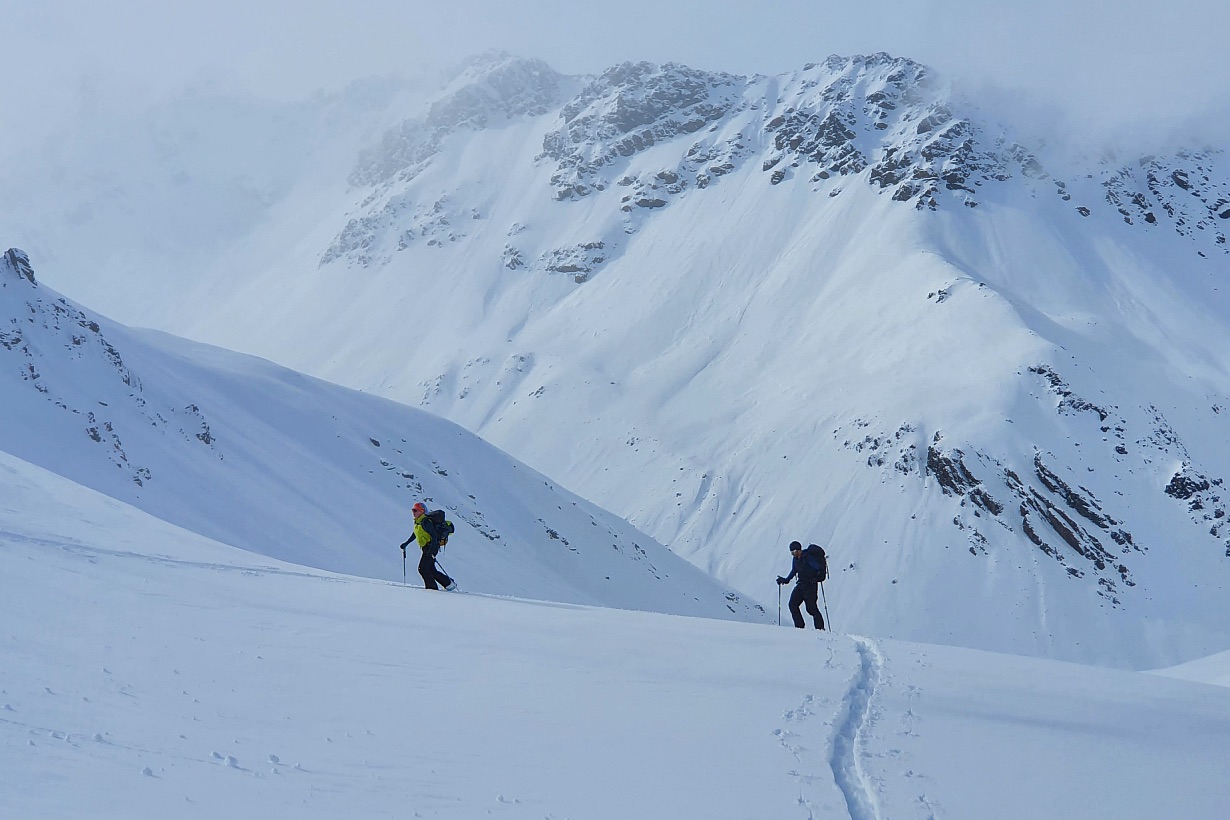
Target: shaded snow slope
(247,453)
(835,305)
(146,671)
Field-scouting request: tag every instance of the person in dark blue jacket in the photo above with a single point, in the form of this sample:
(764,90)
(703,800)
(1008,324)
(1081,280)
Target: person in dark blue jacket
(811,566)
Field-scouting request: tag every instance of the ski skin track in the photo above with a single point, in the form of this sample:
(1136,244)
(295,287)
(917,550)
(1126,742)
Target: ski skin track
(849,735)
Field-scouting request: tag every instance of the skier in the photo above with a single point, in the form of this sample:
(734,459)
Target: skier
(811,566)
(431,536)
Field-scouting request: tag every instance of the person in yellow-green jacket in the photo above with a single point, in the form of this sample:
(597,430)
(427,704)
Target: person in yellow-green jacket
(431,530)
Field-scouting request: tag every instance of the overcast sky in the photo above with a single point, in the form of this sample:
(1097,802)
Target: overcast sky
(1099,62)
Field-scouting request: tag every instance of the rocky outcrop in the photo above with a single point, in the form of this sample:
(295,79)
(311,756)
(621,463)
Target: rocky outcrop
(16,261)
(848,115)
(1183,191)
(888,116)
(1069,402)
(955,478)
(1204,497)
(61,353)
(1063,519)
(579,260)
(884,121)
(628,109)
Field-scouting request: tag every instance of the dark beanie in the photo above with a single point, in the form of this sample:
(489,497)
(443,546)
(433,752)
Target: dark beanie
(795,545)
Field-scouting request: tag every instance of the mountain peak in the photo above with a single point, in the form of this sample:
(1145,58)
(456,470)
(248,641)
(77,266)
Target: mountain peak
(491,61)
(838,63)
(490,89)
(629,108)
(18,262)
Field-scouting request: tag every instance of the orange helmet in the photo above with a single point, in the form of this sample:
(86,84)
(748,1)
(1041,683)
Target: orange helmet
(419,509)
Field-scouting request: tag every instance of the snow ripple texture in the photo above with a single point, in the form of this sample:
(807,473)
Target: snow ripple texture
(849,737)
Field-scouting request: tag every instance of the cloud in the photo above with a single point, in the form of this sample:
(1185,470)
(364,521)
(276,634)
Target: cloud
(1098,66)
(1103,66)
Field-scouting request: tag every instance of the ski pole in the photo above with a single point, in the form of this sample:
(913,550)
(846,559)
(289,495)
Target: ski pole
(827,619)
(779,604)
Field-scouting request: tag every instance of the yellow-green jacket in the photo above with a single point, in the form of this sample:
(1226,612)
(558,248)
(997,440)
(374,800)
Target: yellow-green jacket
(423,537)
(426,537)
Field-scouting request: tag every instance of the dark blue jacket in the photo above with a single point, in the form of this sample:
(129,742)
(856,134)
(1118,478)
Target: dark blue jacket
(811,566)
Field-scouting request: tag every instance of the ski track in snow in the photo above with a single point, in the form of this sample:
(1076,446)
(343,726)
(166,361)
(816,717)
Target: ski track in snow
(850,732)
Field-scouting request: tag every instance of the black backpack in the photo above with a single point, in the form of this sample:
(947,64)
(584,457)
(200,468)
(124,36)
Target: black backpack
(440,528)
(817,560)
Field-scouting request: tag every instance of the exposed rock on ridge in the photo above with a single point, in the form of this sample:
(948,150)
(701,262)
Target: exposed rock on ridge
(16,260)
(47,343)
(881,119)
(627,109)
(1182,191)
(1044,501)
(888,115)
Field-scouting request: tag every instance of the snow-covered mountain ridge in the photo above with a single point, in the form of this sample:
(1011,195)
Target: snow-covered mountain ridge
(1082,473)
(887,116)
(299,470)
(740,311)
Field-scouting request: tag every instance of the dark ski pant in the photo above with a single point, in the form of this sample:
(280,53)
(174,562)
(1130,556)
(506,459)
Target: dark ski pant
(805,593)
(433,578)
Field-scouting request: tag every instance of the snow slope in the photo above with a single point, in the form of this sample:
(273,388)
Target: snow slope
(146,671)
(252,455)
(837,305)
(1214,669)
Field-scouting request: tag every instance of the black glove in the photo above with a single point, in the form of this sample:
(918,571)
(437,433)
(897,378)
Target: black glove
(781,580)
